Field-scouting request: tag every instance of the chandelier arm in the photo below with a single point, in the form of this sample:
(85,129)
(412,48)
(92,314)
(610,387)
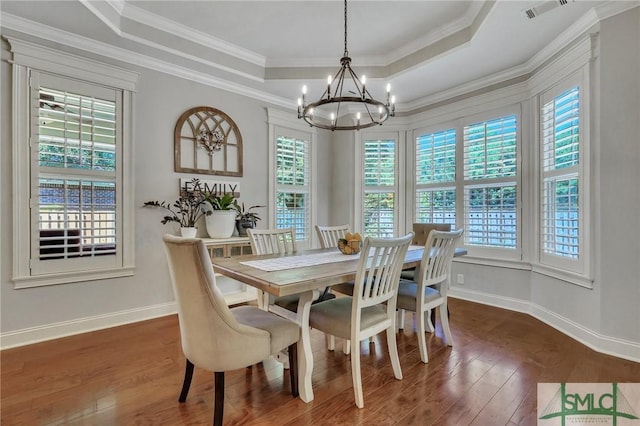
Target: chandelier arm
(357,83)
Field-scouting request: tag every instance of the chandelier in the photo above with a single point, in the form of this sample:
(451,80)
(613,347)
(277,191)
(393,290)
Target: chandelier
(354,109)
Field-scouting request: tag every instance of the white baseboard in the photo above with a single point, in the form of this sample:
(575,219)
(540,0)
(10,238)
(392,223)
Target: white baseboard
(31,335)
(600,343)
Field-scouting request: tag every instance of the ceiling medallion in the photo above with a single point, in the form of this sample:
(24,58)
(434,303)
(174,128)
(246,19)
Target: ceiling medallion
(354,110)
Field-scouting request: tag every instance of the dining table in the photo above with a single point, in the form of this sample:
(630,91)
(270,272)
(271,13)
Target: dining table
(305,273)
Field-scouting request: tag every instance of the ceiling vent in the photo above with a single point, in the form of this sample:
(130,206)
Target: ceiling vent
(544,7)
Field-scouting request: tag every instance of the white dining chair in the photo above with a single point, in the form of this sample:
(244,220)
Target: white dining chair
(371,309)
(421,233)
(329,235)
(275,241)
(429,290)
(280,241)
(214,337)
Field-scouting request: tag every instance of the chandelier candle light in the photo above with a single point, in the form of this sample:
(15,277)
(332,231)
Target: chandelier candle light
(355,112)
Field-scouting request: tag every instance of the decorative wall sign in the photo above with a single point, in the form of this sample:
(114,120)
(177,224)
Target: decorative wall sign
(212,186)
(207,141)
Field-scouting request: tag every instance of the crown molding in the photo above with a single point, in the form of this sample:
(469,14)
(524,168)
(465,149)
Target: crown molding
(463,23)
(75,41)
(127,11)
(560,43)
(463,89)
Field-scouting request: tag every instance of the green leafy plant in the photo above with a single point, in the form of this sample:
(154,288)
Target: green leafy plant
(186,210)
(247,215)
(220,202)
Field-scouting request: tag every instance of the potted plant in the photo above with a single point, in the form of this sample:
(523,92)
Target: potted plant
(221,219)
(245,218)
(186,210)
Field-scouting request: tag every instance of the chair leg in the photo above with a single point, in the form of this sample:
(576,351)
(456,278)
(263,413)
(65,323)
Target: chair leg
(401,319)
(393,352)
(355,373)
(293,369)
(444,321)
(346,348)
(430,321)
(422,342)
(218,405)
(331,342)
(186,384)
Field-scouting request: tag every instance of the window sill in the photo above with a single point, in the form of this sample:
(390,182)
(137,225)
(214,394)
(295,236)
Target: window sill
(71,277)
(563,275)
(500,263)
(559,274)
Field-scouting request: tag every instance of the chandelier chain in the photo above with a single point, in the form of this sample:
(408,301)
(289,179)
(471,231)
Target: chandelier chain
(346,51)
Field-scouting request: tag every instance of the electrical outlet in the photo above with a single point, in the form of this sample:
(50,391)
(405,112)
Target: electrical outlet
(460,278)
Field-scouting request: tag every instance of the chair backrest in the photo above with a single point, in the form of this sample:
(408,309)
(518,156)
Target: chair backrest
(378,272)
(421,231)
(211,337)
(272,241)
(329,235)
(435,265)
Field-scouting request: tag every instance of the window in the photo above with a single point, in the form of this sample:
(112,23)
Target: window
(293,185)
(435,159)
(490,184)
(380,188)
(71,136)
(561,187)
(75,163)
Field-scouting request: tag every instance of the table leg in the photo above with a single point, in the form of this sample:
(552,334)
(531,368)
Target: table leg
(305,356)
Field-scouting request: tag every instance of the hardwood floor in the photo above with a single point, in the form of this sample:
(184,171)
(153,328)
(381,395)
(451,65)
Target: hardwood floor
(132,375)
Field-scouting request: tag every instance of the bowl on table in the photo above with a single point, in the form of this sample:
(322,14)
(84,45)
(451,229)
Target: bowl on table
(350,244)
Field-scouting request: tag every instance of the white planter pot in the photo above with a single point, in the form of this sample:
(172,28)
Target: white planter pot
(221,223)
(188,232)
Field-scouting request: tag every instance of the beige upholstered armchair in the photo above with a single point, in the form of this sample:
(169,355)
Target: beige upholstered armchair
(213,336)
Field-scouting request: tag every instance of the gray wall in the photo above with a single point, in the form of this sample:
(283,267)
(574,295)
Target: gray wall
(611,308)
(619,173)
(159,101)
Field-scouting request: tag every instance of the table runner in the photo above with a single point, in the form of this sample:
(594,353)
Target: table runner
(291,262)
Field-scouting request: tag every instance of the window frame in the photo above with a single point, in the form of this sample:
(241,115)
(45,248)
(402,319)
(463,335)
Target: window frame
(433,186)
(576,271)
(483,254)
(30,60)
(491,252)
(399,183)
(282,124)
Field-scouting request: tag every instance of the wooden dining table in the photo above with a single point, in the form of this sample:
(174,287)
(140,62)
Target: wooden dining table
(305,273)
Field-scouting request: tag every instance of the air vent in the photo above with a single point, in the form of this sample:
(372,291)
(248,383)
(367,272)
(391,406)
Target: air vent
(541,8)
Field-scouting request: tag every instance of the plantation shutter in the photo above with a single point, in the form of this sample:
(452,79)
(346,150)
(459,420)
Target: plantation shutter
(490,186)
(435,162)
(379,188)
(293,185)
(560,132)
(75,134)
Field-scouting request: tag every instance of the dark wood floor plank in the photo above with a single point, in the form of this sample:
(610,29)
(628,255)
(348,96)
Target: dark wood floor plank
(132,375)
